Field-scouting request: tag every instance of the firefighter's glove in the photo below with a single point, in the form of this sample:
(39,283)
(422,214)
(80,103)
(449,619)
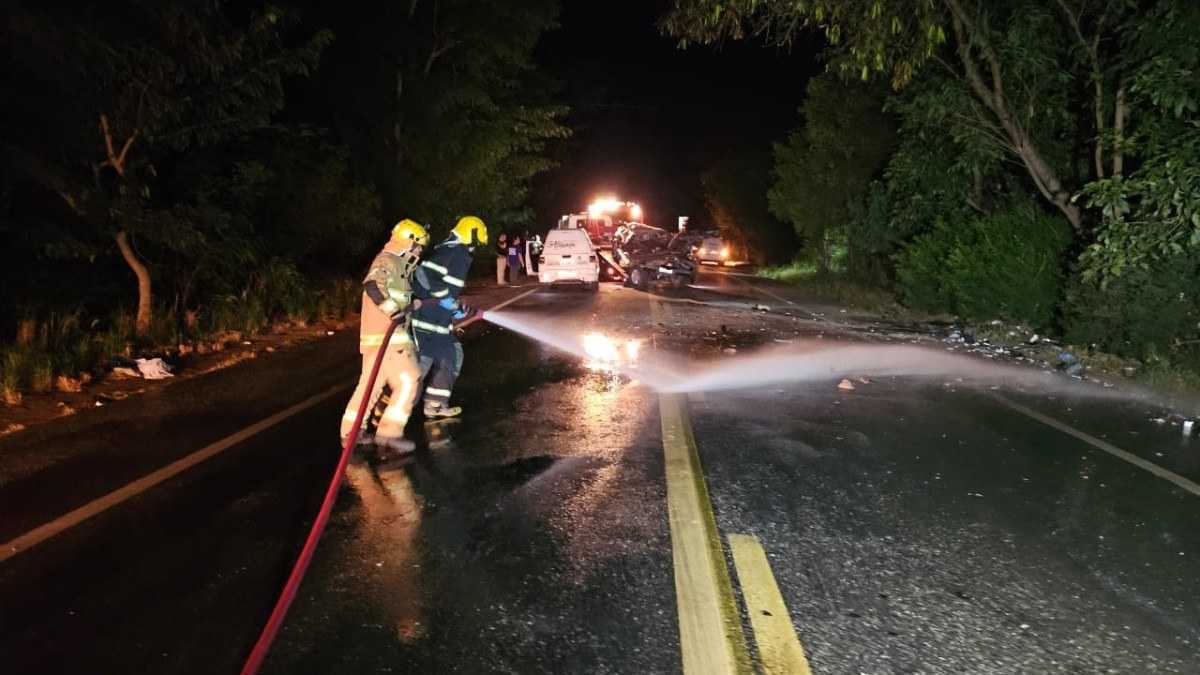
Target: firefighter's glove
(393,309)
(449,303)
(464,311)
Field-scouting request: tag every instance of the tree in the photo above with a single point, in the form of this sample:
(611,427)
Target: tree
(105,95)
(452,119)
(1152,212)
(987,47)
(733,191)
(828,163)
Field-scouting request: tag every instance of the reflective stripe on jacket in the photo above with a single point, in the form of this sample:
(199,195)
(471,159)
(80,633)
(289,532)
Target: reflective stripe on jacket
(442,275)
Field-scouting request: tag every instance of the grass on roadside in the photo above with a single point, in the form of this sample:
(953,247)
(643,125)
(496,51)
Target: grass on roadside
(62,348)
(834,288)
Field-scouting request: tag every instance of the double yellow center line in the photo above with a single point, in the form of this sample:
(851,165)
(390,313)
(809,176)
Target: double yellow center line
(710,627)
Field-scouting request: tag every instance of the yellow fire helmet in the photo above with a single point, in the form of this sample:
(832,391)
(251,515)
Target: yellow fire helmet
(407,230)
(471,231)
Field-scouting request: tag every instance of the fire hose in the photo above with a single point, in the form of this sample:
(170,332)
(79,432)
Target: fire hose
(275,621)
(288,594)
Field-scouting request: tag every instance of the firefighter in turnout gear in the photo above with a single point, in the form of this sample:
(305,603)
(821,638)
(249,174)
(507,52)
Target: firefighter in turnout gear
(387,296)
(438,282)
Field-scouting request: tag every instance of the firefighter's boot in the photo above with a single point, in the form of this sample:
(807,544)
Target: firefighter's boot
(438,412)
(387,447)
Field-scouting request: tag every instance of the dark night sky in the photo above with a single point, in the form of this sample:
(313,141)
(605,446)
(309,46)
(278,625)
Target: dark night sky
(649,117)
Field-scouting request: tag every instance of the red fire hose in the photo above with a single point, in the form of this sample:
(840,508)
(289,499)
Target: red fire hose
(259,652)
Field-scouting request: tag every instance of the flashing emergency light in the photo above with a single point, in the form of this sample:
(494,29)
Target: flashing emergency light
(605,205)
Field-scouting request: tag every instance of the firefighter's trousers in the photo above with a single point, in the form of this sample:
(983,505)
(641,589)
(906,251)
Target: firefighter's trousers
(400,373)
(441,361)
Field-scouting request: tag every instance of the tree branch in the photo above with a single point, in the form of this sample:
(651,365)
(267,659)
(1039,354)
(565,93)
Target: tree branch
(1043,175)
(437,53)
(116,161)
(1091,50)
(1120,114)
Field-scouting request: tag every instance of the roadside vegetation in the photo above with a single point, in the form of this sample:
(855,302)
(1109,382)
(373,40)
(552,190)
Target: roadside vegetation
(834,287)
(1033,162)
(178,173)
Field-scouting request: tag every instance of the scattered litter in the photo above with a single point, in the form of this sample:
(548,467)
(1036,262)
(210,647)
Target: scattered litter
(760,308)
(12,428)
(846,385)
(247,343)
(975,494)
(730,350)
(328,332)
(1158,420)
(864,380)
(154,369)
(125,371)
(1033,340)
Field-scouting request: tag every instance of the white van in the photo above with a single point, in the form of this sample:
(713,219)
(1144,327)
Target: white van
(569,257)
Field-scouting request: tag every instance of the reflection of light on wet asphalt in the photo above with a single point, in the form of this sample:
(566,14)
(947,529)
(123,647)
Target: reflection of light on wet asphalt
(608,353)
(387,537)
(612,412)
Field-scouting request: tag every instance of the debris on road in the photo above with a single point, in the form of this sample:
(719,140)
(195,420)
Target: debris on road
(761,308)
(846,385)
(154,369)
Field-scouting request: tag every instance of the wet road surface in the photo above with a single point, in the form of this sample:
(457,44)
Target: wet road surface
(911,526)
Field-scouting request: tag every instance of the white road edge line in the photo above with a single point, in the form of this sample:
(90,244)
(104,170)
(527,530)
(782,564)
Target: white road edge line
(1111,449)
(99,505)
(513,299)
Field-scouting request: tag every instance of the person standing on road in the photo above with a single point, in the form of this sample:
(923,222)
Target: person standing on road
(387,297)
(535,251)
(501,258)
(515,263)
(438,282)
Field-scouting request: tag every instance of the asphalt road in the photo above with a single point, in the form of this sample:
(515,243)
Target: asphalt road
(909,525)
